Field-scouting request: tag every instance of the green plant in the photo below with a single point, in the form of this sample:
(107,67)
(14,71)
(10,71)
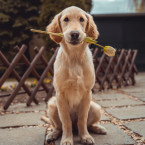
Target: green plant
(16,18)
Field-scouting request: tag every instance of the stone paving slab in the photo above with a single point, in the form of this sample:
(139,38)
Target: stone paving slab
(21,119)
(140,77)
(21,107)
(23,136)
(115,136)
(128,112)
(137,94)
(134,89)
(120,102)
(143,99)
(109,96)
(138,127)
(104,117)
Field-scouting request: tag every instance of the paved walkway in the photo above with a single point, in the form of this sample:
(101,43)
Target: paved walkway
(123,116)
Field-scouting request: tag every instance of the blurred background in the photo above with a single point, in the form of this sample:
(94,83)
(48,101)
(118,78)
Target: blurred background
(120,23)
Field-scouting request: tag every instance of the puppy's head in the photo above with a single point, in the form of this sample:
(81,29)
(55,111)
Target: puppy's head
(75,24)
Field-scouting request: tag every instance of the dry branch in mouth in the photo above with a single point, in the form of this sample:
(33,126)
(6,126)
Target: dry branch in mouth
(108,50)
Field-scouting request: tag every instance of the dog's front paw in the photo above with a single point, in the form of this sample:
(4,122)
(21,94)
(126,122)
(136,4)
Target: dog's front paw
(66,141)
(87,140)
(52,136)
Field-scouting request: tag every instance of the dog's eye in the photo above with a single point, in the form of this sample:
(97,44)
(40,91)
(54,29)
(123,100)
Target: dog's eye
(81,19)
(66,19)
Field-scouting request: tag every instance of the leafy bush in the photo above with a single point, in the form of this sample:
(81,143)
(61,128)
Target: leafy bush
(16,18)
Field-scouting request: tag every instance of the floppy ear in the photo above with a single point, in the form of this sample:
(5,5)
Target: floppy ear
(91,29)
(54,27)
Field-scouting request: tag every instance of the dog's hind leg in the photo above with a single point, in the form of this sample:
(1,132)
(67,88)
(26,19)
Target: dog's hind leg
(94,117)
(52,112)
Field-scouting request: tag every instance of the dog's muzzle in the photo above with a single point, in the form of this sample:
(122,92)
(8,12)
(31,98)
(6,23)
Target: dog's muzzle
(74,37)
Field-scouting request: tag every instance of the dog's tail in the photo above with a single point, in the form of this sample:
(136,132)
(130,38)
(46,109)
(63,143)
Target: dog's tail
(45,119)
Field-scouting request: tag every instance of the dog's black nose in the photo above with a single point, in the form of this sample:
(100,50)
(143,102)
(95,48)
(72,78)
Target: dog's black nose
(74,34)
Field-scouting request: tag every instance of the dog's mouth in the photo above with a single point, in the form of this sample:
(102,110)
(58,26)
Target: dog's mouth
(75,42)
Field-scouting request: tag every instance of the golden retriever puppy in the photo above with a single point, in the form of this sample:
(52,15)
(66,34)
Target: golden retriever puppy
(74,78)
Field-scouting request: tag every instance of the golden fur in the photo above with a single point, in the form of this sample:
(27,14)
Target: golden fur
(74,78)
